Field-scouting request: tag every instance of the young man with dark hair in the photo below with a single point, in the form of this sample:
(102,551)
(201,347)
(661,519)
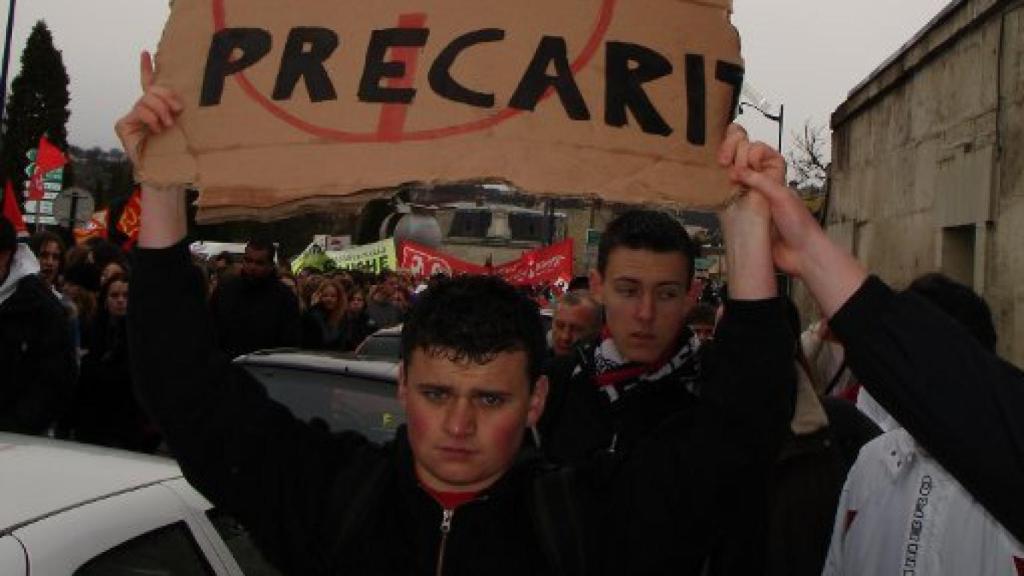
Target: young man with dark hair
(453,494)
(37,357)
(254,310)
(645,366)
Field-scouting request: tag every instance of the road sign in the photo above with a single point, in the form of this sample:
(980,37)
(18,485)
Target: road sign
(73,207)
(39,219)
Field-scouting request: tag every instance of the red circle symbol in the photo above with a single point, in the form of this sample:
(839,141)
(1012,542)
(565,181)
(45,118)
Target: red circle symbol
(604,19)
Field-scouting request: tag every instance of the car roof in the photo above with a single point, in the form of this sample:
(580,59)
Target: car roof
(40,476)
(395,330)
(340,363)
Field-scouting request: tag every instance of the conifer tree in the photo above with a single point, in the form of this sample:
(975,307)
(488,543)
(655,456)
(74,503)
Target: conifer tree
(37,105)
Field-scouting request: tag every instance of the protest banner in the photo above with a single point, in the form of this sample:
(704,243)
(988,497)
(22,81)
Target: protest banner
(289,104)
(425,262)
(374,258)
(550,265)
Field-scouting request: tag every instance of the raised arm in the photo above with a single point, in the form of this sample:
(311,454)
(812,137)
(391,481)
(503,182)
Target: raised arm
(246,453)
(960,402)
(750,365)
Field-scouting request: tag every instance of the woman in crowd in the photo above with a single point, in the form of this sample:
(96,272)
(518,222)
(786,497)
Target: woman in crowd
(105,411)
(358,320)
(324,324)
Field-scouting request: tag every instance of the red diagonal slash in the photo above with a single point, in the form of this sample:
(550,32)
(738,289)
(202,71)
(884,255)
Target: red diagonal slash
(392,116)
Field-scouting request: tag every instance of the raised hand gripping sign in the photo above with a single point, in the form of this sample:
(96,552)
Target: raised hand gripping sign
(626,100)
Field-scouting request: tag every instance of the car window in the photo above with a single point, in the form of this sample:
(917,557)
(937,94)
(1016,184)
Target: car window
(341,402)
(382,347)
(167,551)
(249,558)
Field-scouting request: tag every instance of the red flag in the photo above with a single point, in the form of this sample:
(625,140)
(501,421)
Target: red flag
(48,159)
(11,211)
(96,228)
(128,224)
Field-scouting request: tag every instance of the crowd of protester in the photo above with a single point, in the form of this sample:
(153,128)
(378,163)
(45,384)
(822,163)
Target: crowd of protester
(659,428)
(65,348)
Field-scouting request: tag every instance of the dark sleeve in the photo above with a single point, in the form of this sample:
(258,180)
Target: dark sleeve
(312,335)
(244,452)
(750,376)
(961,402)
(54,371)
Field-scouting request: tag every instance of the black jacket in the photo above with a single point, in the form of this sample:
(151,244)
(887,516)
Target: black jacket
(963,404)
(37,359)
(105,411)
(318,503)
(252,315)
(318,335)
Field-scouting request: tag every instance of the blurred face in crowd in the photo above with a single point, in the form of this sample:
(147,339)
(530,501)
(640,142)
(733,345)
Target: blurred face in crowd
(466,420)
(329,297)
(645,298)
(117,299)
(357,303)
(49,262)
(109,271)
(256,264)
(570,325)
(398,299)
(383,293)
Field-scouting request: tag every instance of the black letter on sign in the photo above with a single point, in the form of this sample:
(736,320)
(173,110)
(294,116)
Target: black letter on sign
(376,68)
(441,72)
(300,62)
(536,80)
(696,101)
(625,86)
(254,44)
(731,74)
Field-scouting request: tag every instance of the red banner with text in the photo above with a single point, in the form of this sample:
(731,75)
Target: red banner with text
(426,262)
(549,265)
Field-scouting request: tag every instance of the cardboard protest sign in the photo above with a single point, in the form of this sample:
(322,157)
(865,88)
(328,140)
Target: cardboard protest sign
(425,262)
(375,258)
(288,102)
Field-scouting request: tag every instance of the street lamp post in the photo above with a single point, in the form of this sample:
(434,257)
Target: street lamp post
(7,61)
(777,118)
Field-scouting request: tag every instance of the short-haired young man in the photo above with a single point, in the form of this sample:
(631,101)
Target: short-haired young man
(645,366)
(254,310)
(453,494)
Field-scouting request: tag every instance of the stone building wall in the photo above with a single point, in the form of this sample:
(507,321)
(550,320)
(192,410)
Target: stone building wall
(927,161)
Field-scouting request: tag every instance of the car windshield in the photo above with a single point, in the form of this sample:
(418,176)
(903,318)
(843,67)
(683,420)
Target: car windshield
(381,346)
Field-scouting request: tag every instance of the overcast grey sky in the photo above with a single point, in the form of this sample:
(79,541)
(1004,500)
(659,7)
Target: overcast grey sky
(806,54)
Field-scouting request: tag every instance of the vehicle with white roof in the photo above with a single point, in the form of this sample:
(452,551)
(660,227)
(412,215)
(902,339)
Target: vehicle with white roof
(70,509)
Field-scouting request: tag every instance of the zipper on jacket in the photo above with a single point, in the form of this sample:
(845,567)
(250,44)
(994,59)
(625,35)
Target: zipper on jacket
(446,526)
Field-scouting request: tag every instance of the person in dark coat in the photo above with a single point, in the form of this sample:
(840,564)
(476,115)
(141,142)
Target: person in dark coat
(958,400)
(254,311)
(105,411)
(37,357)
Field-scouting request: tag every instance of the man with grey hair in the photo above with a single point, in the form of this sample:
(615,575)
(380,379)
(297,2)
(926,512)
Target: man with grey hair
(577,317)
